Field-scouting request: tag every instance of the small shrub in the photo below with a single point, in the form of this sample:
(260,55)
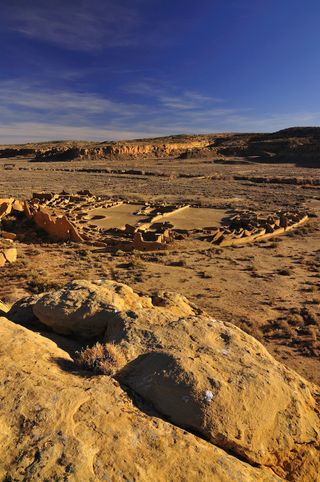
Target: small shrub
(181,262)
(285,272)
(136,263)
(273,245)
(104,359)
(310,316)
(38,284)
(252,267)
(83,253)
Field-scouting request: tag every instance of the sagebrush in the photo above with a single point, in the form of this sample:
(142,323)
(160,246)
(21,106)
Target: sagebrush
(101,358)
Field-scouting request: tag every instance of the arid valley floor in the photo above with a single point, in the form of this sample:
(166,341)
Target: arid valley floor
(269,288)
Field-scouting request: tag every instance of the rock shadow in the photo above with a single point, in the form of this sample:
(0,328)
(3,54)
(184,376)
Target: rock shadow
(71,367)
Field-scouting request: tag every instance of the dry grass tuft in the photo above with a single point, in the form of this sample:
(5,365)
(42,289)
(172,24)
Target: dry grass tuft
(105,359)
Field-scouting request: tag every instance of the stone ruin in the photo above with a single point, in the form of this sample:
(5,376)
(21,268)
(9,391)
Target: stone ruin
(246,226)
(57,226)
(8,252)
(71,217)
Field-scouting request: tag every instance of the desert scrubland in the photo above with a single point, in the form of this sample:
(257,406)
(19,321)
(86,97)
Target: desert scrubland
(160,308)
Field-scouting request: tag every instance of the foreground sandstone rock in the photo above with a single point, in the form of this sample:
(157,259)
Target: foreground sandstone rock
(61,425)
(3,308)
(201,374)
(85,308)
(8,253)
(235,395)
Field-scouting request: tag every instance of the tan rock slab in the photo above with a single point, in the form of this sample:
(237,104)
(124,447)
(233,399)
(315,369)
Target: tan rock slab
(204,375)
(57,424)
(212,378)
(2,260)
(86,308)
(10,254)
(3,308)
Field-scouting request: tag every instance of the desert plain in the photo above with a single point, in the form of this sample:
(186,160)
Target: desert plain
(217,347)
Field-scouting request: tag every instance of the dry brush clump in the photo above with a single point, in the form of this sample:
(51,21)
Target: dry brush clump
(106,359)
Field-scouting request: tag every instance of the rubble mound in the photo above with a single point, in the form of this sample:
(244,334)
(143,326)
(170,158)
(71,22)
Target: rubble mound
(247,226)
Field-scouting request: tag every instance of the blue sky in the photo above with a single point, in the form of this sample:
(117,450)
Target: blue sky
(107,69)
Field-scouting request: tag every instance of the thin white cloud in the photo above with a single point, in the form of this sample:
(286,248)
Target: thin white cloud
(171,97)
(186,101)
(32,112)
(76,25)
(18,94)
(23,132)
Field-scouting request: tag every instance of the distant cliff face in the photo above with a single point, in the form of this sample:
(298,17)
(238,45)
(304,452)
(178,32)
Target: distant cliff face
(14,152)
(288,145)
(158,150)
(125,149)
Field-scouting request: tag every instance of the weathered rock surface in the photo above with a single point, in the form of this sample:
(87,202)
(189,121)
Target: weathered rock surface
(168,147)
(221,383)
(8,252)
(85,308)
(62,425)
(200,373)
(204,375)
(3,308)
(21,311)
(298,144)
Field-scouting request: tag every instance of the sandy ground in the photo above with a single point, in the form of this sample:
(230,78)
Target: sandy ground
(271,289)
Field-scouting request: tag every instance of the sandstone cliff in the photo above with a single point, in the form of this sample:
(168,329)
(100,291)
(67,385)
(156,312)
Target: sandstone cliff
(296,144)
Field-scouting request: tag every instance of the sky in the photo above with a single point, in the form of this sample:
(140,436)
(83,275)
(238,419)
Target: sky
(119,69)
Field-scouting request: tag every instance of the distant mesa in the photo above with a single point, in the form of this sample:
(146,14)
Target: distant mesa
(299,145)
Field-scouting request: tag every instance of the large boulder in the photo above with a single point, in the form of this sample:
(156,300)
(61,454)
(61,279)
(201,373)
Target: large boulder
(21,312)
(85,308)
(89,308)
(204,375)
(217,381)
(57,424)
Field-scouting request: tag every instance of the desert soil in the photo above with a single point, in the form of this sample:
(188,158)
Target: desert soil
(269,289)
